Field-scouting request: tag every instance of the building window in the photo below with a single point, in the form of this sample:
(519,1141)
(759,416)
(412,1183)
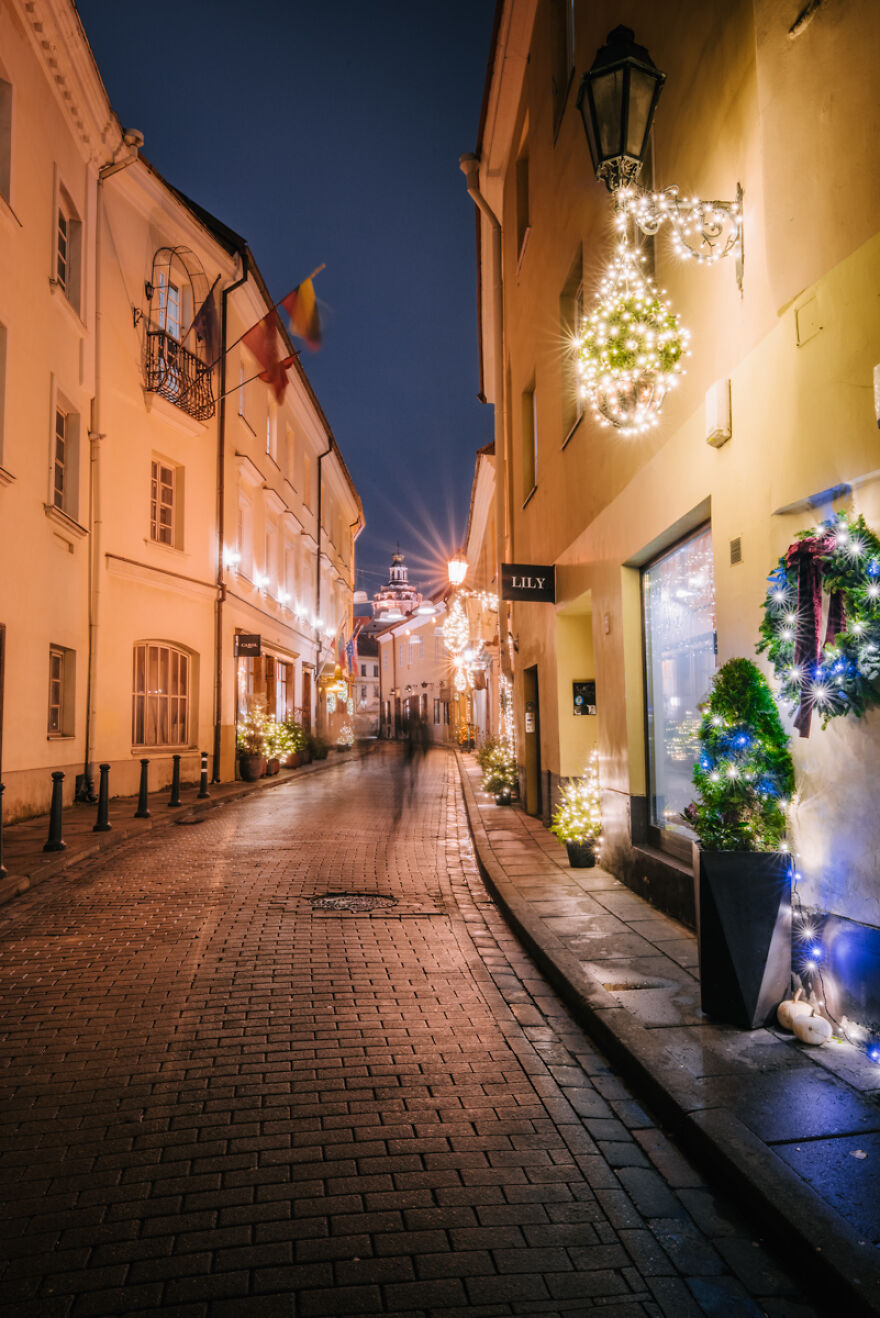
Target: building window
(678,595)
(375,670)
(65,464)
(2,390)
(290,456)
(402,652)
(61,691)
(169,307)
(5,139)
(571,316)
(68,248)
(436,711)
(363,670)
(243,536)
(307,480)
(283,690)
(363,695)
(242,381)
(164,501)
(529,423)
(160,696)
(562,55)
(523,225)
(421,647)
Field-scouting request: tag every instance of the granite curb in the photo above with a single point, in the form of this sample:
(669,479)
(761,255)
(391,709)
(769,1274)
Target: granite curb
(41,866)
(785,1205)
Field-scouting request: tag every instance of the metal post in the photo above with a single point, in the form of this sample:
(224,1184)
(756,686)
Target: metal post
(143,810)
(175,782)
(103,825)
(54,842)
(203,782)
(3,869)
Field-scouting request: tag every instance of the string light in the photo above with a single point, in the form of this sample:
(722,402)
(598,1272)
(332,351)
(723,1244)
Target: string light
(703,231)
(578,816)
(630,347)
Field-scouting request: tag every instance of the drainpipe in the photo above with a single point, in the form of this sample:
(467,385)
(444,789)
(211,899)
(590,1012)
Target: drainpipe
(321,456)
(85,788)
(470,166)
(221,522)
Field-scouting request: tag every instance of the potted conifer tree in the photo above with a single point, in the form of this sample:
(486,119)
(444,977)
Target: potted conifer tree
(745,778)
(577,819)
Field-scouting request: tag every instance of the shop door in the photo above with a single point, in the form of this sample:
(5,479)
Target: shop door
(532,741)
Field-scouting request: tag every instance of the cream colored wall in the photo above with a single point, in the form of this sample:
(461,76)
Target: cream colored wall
(43,586)
(578,733)
(743,102)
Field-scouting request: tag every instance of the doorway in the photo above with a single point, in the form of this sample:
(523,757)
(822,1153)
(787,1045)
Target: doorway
(532,741)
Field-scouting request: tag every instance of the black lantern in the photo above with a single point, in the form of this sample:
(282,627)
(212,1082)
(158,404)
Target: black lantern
(617,99)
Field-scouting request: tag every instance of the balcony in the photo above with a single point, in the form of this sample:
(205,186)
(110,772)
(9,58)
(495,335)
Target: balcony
(178,375)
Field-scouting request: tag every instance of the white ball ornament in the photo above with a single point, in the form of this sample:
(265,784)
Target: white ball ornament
(812,1029)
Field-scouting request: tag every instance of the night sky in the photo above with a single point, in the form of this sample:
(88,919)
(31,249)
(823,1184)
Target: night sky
(331,132)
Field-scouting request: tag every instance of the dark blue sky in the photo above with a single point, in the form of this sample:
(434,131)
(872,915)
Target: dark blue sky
(331,132)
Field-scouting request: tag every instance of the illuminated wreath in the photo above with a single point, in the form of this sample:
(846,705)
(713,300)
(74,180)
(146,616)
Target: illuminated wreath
(821,625)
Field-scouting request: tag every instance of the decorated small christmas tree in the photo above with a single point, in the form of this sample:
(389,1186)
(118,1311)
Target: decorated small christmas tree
(578,817)
(744,773)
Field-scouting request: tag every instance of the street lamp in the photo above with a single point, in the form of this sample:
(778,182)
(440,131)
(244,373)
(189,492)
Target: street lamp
(457,567)
(617,100)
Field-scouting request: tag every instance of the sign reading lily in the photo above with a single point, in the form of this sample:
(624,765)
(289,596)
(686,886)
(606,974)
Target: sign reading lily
(630,347)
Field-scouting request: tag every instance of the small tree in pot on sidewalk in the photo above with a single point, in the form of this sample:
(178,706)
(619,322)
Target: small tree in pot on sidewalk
(745,779)
(577,820)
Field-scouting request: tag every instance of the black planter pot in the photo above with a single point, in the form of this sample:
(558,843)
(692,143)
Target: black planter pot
(743,903)
(503,797)
(581,855)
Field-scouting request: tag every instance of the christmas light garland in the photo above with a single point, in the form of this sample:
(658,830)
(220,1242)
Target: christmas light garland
(835,668)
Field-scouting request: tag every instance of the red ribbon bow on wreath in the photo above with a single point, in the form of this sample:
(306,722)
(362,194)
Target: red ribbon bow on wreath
(808,647)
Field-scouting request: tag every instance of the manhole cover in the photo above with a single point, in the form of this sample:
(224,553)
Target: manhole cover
(351,901)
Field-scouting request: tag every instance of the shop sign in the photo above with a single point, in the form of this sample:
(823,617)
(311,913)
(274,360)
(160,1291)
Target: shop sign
(248,645)
(528,581)
(583,697)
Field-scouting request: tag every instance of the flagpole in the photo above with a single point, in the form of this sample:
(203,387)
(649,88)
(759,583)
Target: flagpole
(242,383)
(274,307)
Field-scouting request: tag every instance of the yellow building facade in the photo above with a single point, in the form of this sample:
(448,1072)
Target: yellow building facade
(156,502)
(662,541)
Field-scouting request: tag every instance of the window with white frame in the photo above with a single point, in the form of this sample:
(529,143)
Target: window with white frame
(170,307)
(65,460)
(678,598)
(5,139)
(166,492)
(307,480)
(62,688)
(402,652)
(242,379)
(271,559)
(290,455)
(375,670)
(160,704)
(283,690)
(421,647)
(244,535)
(68,249)
(272,434)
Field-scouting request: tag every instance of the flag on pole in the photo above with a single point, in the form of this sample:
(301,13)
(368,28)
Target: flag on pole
(262,339)
(206,324)
(302,307)
(349,655)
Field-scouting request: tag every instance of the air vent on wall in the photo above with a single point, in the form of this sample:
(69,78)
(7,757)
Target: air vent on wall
(736,550)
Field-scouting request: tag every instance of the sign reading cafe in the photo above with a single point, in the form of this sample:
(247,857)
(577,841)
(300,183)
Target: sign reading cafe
(528,581)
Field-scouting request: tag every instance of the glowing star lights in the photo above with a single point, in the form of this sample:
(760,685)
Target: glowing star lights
(630,347)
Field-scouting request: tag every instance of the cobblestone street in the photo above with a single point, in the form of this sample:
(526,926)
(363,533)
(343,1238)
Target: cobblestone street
(221,1099)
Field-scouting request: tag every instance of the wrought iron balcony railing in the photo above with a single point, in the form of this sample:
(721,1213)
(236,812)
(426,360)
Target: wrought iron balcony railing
(177,374)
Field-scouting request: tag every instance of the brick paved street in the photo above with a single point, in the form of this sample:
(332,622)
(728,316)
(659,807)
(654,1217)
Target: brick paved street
(218,1100)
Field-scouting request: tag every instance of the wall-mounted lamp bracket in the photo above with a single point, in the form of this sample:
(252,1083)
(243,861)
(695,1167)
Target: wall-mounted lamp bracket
(703,231)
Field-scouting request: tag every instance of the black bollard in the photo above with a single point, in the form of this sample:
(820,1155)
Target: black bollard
(143,810)
(54,843)
(103,825)
(3,869)
(175,782)
(203,781)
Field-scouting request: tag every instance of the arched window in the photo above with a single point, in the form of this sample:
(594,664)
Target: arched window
(177,364)
(160,702)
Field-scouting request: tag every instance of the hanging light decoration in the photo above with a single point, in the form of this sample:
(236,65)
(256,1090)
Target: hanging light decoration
(460,681)
(456,632)
(630,346)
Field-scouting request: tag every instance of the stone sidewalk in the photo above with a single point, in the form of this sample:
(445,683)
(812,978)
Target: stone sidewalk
(795,1131)
(27,863)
